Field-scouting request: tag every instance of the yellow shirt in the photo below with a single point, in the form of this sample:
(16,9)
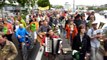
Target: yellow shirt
(23,22)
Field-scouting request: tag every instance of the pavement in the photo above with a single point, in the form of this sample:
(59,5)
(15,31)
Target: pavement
(15,41)
(32,53)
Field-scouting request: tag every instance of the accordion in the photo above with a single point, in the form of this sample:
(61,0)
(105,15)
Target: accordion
(52,45)
(101,25)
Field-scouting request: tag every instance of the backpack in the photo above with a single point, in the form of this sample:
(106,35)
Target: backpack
(92,31)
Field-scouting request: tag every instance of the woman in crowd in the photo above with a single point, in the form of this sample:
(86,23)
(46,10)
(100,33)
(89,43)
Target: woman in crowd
(81,43)
(71,30)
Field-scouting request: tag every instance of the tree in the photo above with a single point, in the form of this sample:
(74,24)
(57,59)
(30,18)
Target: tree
(43,3)
(26,2)
(91,8)
(33,2)
(22,2)
(2,3)
(58,6)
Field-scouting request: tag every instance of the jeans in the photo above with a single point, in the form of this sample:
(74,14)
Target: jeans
(95,54)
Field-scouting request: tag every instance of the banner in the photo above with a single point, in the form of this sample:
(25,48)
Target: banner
(43,8)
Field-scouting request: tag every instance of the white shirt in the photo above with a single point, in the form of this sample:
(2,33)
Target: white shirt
(17,26)
(81,37)
(94,43)
(27,18)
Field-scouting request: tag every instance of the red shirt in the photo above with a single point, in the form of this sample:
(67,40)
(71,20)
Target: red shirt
(54,36)
(10,28)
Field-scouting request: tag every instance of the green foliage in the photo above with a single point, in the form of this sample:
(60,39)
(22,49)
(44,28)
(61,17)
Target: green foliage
(100,9)
(11,1)
(22,2)
(81,8)
(23,16)
(1,5)
(58,6)
(97,9)
(50,5)
(90,8)
(26,2)
(33,2)
(43,3)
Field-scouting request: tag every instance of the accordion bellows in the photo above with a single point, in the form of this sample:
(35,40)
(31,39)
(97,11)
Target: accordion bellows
(52,45)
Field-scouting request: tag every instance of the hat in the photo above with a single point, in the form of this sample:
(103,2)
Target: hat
(95,22)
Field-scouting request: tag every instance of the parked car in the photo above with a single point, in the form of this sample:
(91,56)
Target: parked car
(103,12)
(105,15)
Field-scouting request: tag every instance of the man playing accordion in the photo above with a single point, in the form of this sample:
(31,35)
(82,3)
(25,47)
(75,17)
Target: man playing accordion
(52,44)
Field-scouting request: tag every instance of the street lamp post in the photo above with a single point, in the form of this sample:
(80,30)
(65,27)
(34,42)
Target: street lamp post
(16,4)
(73,6)
(2,8)
(3,2)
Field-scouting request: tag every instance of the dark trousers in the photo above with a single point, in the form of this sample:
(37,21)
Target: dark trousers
(9,37)
(71,40)
(105,57)
(51,57)
(82,56)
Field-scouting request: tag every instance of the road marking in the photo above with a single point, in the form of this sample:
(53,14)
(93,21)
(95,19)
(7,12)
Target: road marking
(40,53)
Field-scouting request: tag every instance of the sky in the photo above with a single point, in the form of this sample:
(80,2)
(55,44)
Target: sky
(79,2)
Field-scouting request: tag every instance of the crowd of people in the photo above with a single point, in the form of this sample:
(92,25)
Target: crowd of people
(82,34)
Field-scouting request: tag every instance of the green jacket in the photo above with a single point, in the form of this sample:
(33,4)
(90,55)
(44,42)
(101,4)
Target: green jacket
(33,27)
(5,30)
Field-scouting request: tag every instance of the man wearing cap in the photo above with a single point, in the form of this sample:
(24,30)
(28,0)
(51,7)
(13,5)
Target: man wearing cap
(89,23)
(8,50)
(95,43)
